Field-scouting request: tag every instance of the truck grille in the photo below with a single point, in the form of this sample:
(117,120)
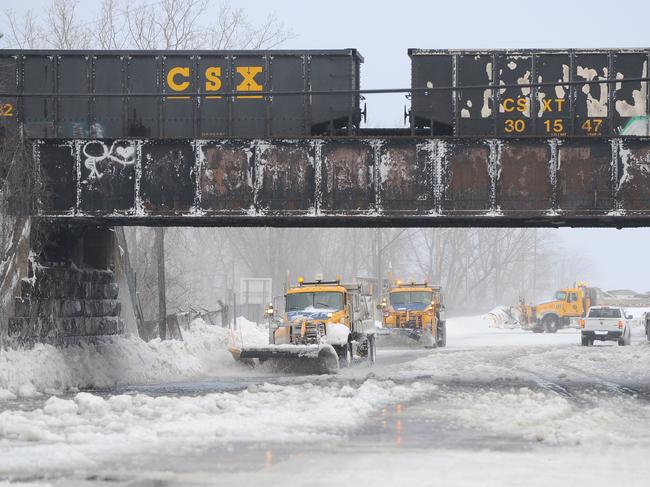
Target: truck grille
(313,330)
(414,321)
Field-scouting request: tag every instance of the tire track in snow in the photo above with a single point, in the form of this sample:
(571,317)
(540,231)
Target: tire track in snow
(548,385)
(609,385)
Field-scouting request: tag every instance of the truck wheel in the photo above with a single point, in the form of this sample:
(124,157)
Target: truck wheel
(371,356)
(625,340)
(442,335)
(345,355)
(551,324)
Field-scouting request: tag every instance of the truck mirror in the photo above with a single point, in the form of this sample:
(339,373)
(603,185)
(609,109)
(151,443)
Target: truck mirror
(629,317)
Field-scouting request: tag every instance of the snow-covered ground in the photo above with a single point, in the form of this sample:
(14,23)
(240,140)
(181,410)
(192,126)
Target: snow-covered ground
(496,407)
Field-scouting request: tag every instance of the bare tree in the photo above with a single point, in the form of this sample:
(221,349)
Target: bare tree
(112,31)
(65,31)
(23,31)
(165,24)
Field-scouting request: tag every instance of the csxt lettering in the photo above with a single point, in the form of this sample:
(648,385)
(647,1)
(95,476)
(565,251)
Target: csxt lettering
(178,79)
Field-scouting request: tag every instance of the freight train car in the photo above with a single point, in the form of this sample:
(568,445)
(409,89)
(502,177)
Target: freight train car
(179,94)
(581,107)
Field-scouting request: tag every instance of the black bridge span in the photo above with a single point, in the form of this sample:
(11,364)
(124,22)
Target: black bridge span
(339,181)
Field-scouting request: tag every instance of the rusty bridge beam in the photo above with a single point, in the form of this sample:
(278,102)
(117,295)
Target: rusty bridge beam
(398,181)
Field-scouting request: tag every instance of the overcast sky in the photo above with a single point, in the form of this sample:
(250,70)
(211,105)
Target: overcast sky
(383,31)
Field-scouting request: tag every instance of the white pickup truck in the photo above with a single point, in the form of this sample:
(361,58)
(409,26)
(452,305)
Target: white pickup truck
(605,323)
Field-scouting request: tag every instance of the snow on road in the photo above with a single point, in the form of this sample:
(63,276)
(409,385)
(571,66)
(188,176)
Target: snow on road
(494,407)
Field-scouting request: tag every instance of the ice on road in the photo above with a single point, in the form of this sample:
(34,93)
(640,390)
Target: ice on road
(496,407)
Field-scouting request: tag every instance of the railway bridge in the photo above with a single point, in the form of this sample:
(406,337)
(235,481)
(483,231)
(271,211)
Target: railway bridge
(273,138)
(69,275)
(339,181)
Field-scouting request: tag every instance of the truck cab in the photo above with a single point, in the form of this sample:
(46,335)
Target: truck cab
(415,310)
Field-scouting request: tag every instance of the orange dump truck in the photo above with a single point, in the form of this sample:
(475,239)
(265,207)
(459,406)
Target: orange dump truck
(415,312)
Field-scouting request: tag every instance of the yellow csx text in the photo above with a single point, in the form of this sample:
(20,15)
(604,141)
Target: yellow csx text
(548,103)
(178,79)
(510,105)
(521,104)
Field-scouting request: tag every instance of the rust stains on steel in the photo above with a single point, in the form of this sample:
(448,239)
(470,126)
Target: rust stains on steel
(402,181)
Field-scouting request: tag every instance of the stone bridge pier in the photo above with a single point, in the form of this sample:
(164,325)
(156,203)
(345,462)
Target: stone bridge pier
(66,285)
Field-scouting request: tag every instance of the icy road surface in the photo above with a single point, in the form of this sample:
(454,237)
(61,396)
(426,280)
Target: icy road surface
(496,407)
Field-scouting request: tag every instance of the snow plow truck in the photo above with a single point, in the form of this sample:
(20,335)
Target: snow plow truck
(567,307)
(325,322)
(414,313)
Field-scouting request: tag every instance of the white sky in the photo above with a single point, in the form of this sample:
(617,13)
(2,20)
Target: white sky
(383,30)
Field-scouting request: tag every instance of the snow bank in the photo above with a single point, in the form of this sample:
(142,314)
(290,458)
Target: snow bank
(87,429)
(114,361)
(249,334)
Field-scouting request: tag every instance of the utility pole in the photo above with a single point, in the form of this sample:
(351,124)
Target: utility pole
(378,262)
(535,265)
(162,305)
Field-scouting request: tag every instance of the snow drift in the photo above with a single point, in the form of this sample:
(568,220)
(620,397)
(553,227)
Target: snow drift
(117,361)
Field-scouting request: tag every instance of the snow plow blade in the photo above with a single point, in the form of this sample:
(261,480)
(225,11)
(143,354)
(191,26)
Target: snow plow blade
(323,354)
(281,351)
(404,337)
(508,317)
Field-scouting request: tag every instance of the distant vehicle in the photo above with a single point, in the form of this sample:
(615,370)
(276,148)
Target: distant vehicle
(606,323)
(416,312)
(325,321)
(647,326)
(567,304)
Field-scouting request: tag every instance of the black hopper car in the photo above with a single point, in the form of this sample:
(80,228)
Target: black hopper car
(454,93)
(180,93)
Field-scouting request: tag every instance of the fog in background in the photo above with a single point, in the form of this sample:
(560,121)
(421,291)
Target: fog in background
(204,263)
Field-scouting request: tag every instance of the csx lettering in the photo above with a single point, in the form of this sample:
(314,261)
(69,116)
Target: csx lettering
(178,79)
(213,80)
(176,72)
(249,83)
(510,105)
(548,102)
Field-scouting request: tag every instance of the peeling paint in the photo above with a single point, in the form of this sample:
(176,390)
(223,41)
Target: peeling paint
(438,178)
(486,111)
(640,106)
(595,107)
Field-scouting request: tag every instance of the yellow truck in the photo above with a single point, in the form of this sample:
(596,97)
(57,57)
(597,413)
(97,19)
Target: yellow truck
(416,312)
(565,309)
(324,321)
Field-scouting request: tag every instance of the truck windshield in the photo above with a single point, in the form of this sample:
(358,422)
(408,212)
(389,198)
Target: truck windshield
(319,300)
(604,313)
(413,297)
(560,296)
